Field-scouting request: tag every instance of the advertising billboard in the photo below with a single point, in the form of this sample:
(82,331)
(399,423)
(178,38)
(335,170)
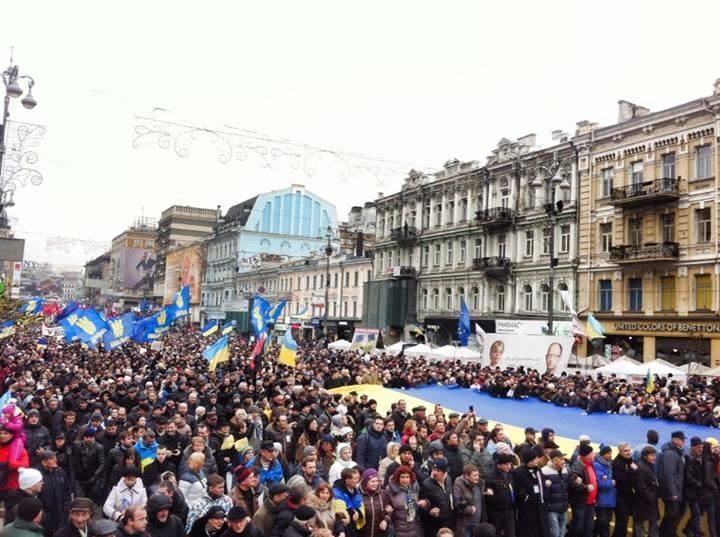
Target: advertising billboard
(184,267)
(137,266)
(532,328)
(547,354)
(364,339)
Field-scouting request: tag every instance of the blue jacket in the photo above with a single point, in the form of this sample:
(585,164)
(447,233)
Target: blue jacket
(606,495)
(372,446)
(272,474)
(556,495)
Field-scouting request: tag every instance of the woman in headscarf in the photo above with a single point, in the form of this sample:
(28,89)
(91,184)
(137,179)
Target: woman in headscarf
(343,460)
(377,519)
(402,496)
(393,451)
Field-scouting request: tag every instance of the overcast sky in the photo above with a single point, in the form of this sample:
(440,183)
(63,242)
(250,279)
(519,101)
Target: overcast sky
(408,81)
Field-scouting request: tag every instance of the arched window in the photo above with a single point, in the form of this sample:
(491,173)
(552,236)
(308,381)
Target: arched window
(436,299)
(528,296)
(475,298)
(461,295)
(425,299)
(448,299)
(560,302)
(500,298)
(544,296)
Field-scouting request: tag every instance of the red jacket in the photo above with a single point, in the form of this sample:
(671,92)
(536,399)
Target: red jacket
(12,467)
(592,480)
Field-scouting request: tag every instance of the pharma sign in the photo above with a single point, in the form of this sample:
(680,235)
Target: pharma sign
(532,328)
(547,354)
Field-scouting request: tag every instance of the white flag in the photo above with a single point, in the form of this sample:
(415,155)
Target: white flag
(567,300)
(480,337)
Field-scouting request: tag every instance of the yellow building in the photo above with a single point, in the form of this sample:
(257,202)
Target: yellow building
(648,245)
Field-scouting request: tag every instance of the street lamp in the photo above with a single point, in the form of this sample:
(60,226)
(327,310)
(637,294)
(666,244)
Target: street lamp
(13,82)
(558,179)
(328,253)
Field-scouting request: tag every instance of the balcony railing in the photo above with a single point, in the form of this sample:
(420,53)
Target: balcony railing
(648,252)
(495,217)
(493,267)
(402,272)
(655,192)
(405,235)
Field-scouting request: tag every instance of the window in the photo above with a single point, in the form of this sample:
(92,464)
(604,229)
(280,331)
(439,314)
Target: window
(463,252)
(390,261)
(667,293)
(703,162)
(314,282)
(504,194)
(565,238)
(436,299)
(636,174)
(605,299)
(501,245)
(545,296)
(546,240)
(635,231)
(381,227)
(425,299)
(478,248)
(461,295)
(426,216)
(322,280)
(449,253)
(668,166)
(381,262)
(336,279)
(607,182)
(347,279)
(436,255)
(448,299)
(528,297)
(334,313)
(560,302)
(704,230)
(354,308)
(425,256)
(345,309)
(635,294)
(463,209)
(299,280)
(529,242)
(475,296)
(450,209)
(356,279)
(438,215)
(667,227)
(500,298)
(606,236)
(703,292)
(307,280)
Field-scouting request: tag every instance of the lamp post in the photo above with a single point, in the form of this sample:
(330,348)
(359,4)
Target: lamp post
(328,253)
(12,79)
(554,173)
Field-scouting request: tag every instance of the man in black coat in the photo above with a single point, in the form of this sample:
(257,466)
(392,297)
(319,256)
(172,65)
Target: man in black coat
(37,437)
(56,493)
(623,469)
(240,524)
(87,462)
(671,476)
(501,496)
(645,509)
(529,494)
(451,451)
(439,511)
(161,522)
(693,484)
(81,510)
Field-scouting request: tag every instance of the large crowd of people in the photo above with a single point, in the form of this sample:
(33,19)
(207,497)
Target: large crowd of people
(146,441)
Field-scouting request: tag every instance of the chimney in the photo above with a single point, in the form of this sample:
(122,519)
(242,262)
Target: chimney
(628,111)
(528,140)
(360,244)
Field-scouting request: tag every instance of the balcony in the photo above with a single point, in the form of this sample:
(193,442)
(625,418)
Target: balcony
(402,272)
(648,193)
(493,267)
(495,218)
(405,235)
(650,252)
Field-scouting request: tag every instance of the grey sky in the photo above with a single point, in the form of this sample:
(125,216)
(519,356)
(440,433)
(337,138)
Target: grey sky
(410,81)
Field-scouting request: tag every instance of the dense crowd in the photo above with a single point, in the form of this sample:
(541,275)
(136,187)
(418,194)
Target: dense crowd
(148,442)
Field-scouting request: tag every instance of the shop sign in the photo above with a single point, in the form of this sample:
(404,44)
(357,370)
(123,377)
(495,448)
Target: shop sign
(665,326)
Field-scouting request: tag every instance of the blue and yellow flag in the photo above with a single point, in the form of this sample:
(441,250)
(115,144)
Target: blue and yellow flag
(288,350)
(32,306)
(7,329)
(593,328)
(210,328)
(180,306)
(68,325)
(274,313)
(67,310)
(217,353)
(463,324)
(228,327)
(259,315)
(90,327)
(121,329)
(163,319)
(649,382)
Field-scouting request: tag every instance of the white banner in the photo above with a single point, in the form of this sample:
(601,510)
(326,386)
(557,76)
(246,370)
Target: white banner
(532,328)
(547,354)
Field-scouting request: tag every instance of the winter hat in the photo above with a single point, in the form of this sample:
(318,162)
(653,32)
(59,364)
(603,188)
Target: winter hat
(29,508)
(29,477)
(158,502)
(435,445)
(237,513)
(304,513)
(605,449)
(104,527)
(585,450)
(367,475)
(405,447)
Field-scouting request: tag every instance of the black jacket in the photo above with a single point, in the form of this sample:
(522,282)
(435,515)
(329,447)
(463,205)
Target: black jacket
(646,492)
(624,475)
(693,478)
(502,498)
(87,462)
(455,463)
(578,492)
(55,496)
(671,472)
(173,527)
(36,436)
(529,496)
(556,494)
(250,531)
(438,497)
(296,530)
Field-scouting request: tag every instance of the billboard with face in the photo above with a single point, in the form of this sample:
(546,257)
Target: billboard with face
(137,267)
(184,267)
(547,354)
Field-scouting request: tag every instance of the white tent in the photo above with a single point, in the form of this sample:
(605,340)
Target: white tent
(696,368)
(395,348)
(714,372)
(451,352)
(662,368)
(622,367)
(419,350)
(340,345)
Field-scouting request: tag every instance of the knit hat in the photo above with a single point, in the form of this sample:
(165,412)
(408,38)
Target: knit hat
(504,458)
(585,450)
(696,441)
(104,527)
(435,445)
(405,447)
(29,477)
(367,475)
(305,513)
(440,464)
(243,472)
(237,513)
(276,488)
(29,508)
(605,449)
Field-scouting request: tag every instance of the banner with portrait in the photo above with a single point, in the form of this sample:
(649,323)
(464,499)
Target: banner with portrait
(364,339)
(547,354)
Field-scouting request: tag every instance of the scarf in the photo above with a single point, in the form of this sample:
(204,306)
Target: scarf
(410,503)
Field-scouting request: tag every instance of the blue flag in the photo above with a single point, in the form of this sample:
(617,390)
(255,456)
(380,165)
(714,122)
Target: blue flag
(144,330)
(276,311)
(181,303)
(32,306)
(68,325)
(90,327)
(121,329)
(463,324)
(259,315)
(7,329)
(163,319)
(67,310)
